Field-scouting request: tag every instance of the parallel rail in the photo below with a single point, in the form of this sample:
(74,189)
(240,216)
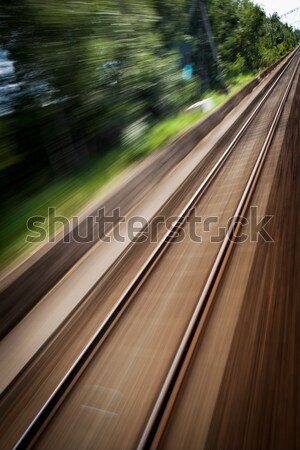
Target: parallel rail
(163,406)
(67,382)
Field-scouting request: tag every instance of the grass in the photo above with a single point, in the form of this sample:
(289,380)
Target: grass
(70,194)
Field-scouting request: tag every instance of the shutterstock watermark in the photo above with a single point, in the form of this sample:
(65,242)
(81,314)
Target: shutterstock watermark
(112,226)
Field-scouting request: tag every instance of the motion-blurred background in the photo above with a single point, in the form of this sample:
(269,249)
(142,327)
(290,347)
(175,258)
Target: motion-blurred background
(87,87)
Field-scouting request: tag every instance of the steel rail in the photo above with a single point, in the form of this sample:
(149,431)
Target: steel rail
(112,317)
(159,416)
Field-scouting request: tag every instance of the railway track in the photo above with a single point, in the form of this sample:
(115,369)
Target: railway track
(157,418)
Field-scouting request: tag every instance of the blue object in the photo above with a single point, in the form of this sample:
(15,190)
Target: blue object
(187,72)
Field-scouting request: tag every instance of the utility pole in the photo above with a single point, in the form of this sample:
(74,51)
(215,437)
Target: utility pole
(212,44)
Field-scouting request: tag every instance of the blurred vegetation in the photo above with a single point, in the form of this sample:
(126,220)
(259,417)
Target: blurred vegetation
(86,87)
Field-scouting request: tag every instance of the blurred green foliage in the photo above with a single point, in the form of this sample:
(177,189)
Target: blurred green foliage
(85,71)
